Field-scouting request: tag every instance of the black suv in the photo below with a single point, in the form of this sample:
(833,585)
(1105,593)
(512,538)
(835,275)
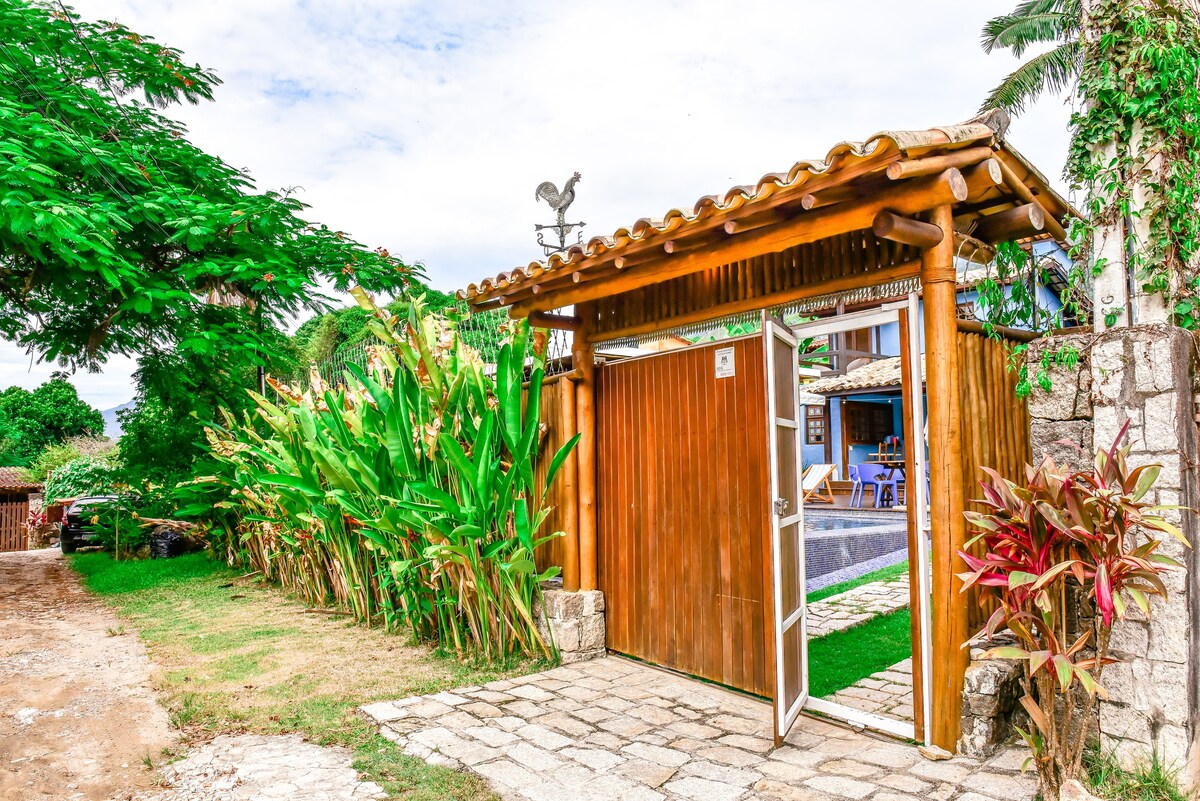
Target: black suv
(76,526)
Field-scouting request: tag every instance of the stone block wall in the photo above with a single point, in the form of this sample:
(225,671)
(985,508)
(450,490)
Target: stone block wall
(991,704)
(1147,375)
(574,621)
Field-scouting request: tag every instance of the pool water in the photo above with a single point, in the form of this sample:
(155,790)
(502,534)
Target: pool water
(838,523)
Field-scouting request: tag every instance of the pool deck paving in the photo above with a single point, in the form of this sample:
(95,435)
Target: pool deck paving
(613,728)
(858,605)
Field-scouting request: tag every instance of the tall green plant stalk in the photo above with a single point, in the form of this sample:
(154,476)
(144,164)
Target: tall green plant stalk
(408,494)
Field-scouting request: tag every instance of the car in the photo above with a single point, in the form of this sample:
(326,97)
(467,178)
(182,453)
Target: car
(76,526)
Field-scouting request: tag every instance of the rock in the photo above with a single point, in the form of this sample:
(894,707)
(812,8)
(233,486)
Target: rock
(933,752)
(1074,791)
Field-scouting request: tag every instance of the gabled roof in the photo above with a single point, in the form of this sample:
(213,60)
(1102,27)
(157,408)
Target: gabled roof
(843,163)
(879,374)
(12,480)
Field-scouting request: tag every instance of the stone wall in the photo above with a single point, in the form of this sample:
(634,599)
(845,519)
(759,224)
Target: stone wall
(1147,375)
(574,621)
(991,705)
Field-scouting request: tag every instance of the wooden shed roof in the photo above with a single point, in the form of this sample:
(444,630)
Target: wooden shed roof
(856,168)
(12,480)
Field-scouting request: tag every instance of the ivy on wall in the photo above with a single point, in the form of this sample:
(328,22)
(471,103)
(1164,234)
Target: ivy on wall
(1139,90)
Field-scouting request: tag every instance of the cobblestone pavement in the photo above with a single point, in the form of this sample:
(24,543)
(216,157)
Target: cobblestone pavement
(855,606)
(617,729)
(888,692)
(253,767)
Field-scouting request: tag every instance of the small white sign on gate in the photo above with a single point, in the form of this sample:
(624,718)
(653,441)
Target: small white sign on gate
(725,363)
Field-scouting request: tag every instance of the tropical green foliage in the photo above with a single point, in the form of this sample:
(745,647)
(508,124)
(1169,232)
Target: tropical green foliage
(1059,538)
(87,475)
(55,456)
(1135,148)
(117,231)
(47,415)
(1032,24)
(408,494)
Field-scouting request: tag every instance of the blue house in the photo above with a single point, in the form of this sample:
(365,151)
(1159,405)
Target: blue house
(854,400)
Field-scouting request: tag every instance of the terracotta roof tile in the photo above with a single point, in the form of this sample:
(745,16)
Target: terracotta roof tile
(841,156)
(11,478)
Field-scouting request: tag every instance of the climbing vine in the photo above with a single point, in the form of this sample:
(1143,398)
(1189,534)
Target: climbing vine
(1135,149)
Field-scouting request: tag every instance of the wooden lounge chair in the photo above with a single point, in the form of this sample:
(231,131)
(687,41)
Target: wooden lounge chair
(817,483)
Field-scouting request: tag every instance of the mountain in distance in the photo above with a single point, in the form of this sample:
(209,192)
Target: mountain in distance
(112,426)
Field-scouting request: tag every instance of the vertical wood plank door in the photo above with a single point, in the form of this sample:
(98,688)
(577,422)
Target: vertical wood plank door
(682,517)
(14,509)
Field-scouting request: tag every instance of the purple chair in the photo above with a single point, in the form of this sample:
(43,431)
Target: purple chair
(856,489)
(876,475)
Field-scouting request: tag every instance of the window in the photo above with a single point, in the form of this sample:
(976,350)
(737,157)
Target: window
(867,423)
(814,425)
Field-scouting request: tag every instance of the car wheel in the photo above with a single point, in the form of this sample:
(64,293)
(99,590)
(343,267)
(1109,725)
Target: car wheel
(67,543)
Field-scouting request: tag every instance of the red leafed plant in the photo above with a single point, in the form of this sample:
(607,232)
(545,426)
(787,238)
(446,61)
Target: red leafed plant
(1066,541)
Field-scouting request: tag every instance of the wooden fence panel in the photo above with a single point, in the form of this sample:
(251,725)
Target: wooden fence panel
(14,510)
(554,437)
(995,428)
(682,528)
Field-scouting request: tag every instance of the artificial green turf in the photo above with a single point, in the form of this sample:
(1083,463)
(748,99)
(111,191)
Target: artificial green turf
(842,658)
(883,574)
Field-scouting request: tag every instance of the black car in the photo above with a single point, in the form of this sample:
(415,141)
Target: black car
(76,527)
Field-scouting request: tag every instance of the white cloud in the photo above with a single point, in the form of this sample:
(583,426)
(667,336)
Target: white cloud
(424,127)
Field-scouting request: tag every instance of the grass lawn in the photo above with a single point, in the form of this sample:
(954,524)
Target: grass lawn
(883,574)
(233,654)
(841,658)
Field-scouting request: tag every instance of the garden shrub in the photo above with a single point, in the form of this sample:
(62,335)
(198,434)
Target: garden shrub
(407,494)
(86,475)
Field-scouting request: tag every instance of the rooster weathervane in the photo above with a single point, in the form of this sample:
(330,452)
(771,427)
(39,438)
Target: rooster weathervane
(560,202)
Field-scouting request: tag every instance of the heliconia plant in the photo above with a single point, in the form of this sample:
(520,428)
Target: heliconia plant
(1057,544)
(406,494)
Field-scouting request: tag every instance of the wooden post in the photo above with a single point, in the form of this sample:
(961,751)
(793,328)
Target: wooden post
(916,537)
(583,358)
(570,480)
(946,492)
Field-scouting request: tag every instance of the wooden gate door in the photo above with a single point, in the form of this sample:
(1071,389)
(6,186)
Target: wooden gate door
(681,517)
(787,524)
(14,509)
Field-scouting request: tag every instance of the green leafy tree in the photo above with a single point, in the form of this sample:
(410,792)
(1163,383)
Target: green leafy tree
(1035,23)
(117,234)
(32,420)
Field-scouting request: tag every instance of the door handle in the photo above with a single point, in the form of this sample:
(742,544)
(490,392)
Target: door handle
(781,506)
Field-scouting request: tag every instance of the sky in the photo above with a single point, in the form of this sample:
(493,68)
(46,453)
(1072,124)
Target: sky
(424,127)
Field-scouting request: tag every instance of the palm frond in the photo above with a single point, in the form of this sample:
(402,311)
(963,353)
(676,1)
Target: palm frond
(1052,71)
(1018,33)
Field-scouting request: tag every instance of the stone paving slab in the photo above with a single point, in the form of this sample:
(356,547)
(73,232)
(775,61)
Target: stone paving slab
(617,729)
(848,609)
(888,692)
(251,767)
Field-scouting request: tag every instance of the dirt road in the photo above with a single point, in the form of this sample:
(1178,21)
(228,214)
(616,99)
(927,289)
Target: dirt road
(77,716)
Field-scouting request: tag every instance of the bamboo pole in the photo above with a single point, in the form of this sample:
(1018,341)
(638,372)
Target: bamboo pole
(799,292)
(585,413)
(570,488)
(946,498)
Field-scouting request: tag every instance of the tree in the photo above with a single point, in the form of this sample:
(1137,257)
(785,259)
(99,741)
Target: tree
(1134,66)
(1033,23)
(117,234)
(30,421)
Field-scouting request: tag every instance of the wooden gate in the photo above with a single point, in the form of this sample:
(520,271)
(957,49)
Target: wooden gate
(682,523)
(14,510)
